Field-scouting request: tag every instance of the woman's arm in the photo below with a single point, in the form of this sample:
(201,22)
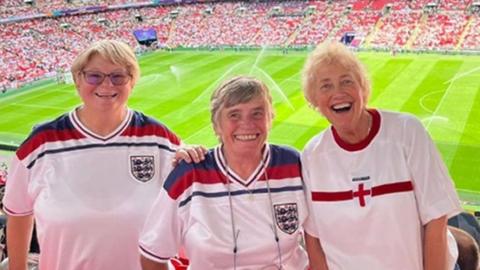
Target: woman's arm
(435,244)
(316,256)
(148,264)
(19,235)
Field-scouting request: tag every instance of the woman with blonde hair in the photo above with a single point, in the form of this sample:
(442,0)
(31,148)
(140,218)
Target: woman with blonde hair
(377,188)
(88,177)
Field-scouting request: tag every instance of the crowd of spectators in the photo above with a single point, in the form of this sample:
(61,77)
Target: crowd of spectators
(472,37)
(37,48)
(395,29)
(441,30)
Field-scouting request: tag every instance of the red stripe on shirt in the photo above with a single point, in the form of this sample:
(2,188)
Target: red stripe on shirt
(195,176)
(375,191)
(392,188)
(149,130)
(215,177)
(50,135)
(283,171)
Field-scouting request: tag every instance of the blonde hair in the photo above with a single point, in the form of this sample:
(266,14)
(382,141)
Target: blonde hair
(115,51)
(329,53)
(237,90)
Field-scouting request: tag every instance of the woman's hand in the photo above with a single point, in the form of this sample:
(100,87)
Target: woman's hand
(189,153)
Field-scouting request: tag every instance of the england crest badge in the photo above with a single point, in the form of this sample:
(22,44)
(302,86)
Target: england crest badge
(142,168)
(286,216)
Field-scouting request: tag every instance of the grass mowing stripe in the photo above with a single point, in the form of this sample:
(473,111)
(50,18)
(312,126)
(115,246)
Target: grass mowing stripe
(447,122)
(464,166)
(176,88)
(384,76)
(440,72)
(400,90)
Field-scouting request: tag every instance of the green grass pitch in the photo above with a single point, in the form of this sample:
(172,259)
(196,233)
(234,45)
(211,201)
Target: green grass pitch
(443,91)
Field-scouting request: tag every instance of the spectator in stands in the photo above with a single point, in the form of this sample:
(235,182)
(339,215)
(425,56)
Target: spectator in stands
(240,208)
(89,176)
(379,192)
(468,255)
(468,223)
(468,239)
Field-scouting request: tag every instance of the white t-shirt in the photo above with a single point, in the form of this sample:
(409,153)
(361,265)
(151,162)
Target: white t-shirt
(89,195)
(369,201)
(194,211)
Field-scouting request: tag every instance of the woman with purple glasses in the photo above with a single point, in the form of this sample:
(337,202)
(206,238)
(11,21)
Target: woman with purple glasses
(88,177)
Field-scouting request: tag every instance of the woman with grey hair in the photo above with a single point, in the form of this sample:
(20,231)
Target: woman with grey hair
(242,207)
(89,177)
(378,191)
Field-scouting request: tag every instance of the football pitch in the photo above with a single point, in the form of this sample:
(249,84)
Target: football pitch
(443,91)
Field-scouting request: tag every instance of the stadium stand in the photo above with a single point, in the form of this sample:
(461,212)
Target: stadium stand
(441,31)
(395,29)
(472,38)
(41,38)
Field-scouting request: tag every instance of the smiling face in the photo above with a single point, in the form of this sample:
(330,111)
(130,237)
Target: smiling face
(105,96)
(243,128)
(339,96)
(335,82)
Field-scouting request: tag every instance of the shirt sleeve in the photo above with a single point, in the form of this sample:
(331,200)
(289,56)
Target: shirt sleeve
(309,224)
(17,201)
(161,236)
(434,189)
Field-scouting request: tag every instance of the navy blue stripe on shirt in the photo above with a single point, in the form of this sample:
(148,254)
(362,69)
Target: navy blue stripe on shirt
(91,146)
(60,123)
(208,164)
(238,192)
(153,255)
(281,155)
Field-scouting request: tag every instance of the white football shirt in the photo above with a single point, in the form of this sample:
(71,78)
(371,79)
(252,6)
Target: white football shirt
(369,201)
(89,194)
(194,211)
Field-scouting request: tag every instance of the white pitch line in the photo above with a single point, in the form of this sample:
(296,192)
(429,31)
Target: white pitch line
(451,81)
(425,96)
(439,105)
(458,76)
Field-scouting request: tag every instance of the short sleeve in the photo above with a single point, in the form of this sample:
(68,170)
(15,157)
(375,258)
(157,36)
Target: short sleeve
(309,224)
(17,201)
(161,236)
(434,189)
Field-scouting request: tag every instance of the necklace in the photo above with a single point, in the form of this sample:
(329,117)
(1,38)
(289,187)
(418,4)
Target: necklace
(236,232)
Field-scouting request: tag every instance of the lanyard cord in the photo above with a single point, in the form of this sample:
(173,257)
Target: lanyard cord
(274,228)
(236,233)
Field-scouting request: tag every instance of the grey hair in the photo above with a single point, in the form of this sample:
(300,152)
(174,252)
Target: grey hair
(237,90)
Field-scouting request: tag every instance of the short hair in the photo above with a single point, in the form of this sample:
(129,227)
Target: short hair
(237,90)
(468,252)
(117,52)
(328,53)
